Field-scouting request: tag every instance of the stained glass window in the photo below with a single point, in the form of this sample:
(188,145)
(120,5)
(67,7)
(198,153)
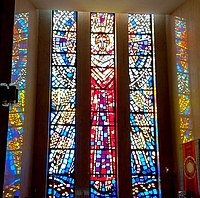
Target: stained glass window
(63,106)
(103,181)
(144,149)
(12,177)
(183,79)
(143,118)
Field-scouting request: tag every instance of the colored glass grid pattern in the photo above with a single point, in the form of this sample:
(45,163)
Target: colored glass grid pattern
(183,80)
(103,131)
(15,132)
(144,153)
(62,130)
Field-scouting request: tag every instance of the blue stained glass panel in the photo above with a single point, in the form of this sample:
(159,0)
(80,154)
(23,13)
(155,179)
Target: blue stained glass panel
(64,42)
(142,138)
(143,135)
(64,20)
(139,119)
(103,186)
(62,130)
(61,161)
(61,186)
(63,117)
(139,24)
(140,45)
(141,101)
(144,186)
(141,79)
(63,100)
(140,62)
(63,59)
(60,135)
(143,162)
(63,77)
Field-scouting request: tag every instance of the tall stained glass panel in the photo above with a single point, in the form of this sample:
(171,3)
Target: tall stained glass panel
(183,80)
(143,121)
(103,131)
(15,136)
(62,130)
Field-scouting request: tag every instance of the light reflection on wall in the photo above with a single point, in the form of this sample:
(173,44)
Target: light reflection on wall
(183,80)
(16,113)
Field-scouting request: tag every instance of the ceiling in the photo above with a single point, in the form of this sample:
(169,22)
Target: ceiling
(126,6)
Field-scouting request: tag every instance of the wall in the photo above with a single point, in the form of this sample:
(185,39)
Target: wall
(27,6)
(42,108)
(166,130)
(6,40)
(165,133)
(190,11)
(42,105)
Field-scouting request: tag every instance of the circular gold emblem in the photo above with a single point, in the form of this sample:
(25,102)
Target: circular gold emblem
(189,167)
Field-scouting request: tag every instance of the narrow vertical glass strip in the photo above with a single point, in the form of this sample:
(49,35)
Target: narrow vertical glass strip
(183,80)
(103,112)
(62,128)
(15,137)
(144,150)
